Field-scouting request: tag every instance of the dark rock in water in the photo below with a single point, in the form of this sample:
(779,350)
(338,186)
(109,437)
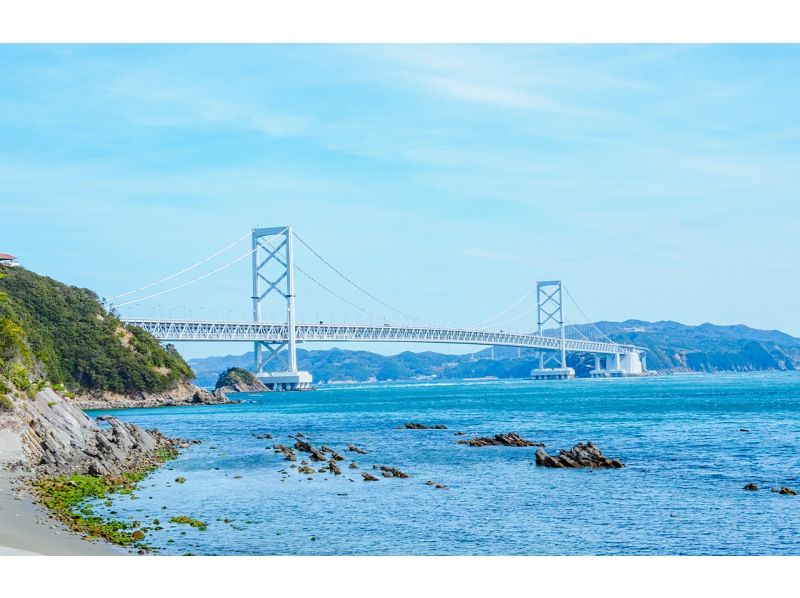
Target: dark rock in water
(307,469)
(305,447)
(459,433)
(264,436)
(180,479)
(355,449)
(430,483)
(785,490)
(353,465)
(510,439)
(392,472)
(287,452)
(750,486)
(417,426)
(334,455)
(743,430)
(368,477)
(581,455)
(442,487)
(332,467)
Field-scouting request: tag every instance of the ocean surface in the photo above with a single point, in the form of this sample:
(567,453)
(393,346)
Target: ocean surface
(680,494)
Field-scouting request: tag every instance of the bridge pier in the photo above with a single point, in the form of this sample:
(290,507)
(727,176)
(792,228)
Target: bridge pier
(618,365)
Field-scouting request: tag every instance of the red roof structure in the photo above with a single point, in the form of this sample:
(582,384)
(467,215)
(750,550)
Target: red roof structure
(6,256)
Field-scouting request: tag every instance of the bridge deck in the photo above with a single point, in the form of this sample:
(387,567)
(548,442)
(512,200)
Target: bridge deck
(192,330)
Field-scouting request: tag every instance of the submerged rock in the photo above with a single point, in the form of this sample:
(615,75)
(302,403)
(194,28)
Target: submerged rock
(355,449)
(510,439)
(332,467)
(581,455)
(418,426)
(306,447)
(287,452)
(368,477)
(389,472)
(785,490)
(750,486)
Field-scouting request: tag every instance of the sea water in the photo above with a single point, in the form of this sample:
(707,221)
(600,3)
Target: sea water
(680,493)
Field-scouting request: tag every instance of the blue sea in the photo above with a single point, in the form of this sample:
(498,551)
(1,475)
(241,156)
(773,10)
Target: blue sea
(680,494)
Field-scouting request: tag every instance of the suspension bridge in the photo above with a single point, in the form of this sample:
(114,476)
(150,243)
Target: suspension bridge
(275,342)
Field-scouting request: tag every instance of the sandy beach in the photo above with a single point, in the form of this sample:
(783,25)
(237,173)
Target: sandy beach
(25,528)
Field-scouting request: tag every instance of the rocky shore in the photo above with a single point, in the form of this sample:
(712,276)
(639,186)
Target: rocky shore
(184,393)
(51,450)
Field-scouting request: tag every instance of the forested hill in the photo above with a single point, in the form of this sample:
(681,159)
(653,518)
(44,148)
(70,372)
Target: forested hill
(63,334)
(671,347)
(708,347)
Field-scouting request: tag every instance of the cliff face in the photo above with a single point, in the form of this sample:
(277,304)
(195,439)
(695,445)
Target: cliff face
(56,437)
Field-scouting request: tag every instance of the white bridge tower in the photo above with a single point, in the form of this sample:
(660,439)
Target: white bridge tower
(273,271)
(550,310)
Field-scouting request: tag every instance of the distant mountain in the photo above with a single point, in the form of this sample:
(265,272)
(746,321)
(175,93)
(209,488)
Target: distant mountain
(671,347)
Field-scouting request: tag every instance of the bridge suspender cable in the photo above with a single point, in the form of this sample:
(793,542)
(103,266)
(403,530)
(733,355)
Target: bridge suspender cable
(360,288)
(506,310)
(192,267)
(588,321)
(322,286)
(187,283)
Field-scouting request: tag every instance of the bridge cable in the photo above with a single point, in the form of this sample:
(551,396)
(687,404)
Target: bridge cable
(187,283)
(588,320)
(335,294)
(515,318)
(360,288)
(506,310)
(192,267)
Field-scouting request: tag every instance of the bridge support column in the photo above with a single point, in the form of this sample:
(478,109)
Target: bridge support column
(550,310)
(273,268)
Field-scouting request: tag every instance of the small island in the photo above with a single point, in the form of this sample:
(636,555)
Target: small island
(238,380)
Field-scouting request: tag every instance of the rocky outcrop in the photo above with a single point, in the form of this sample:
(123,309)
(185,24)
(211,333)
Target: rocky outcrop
(288,453)
(355,449)
(392,472)
(183,393)
(750,486)
(510,439)
(58,438)
(581,455)
(306,447)
(368,477)
(418,426)
(238,380)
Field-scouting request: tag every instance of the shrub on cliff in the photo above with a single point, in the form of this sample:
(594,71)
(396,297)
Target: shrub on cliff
(66,332)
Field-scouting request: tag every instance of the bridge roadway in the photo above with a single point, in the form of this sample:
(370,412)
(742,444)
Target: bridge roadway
(194,330)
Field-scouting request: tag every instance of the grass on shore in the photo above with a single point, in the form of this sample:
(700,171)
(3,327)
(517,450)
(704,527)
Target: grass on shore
(67,497)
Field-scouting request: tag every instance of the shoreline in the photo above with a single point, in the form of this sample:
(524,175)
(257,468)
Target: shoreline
(29,530)
(47,437)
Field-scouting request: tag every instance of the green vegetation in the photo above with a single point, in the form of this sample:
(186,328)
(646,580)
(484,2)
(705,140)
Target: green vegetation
(52,331)
(6,404)
(189,521)
(67,497)
(237,376)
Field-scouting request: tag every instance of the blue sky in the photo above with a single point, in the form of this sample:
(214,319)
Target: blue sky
(659,182)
